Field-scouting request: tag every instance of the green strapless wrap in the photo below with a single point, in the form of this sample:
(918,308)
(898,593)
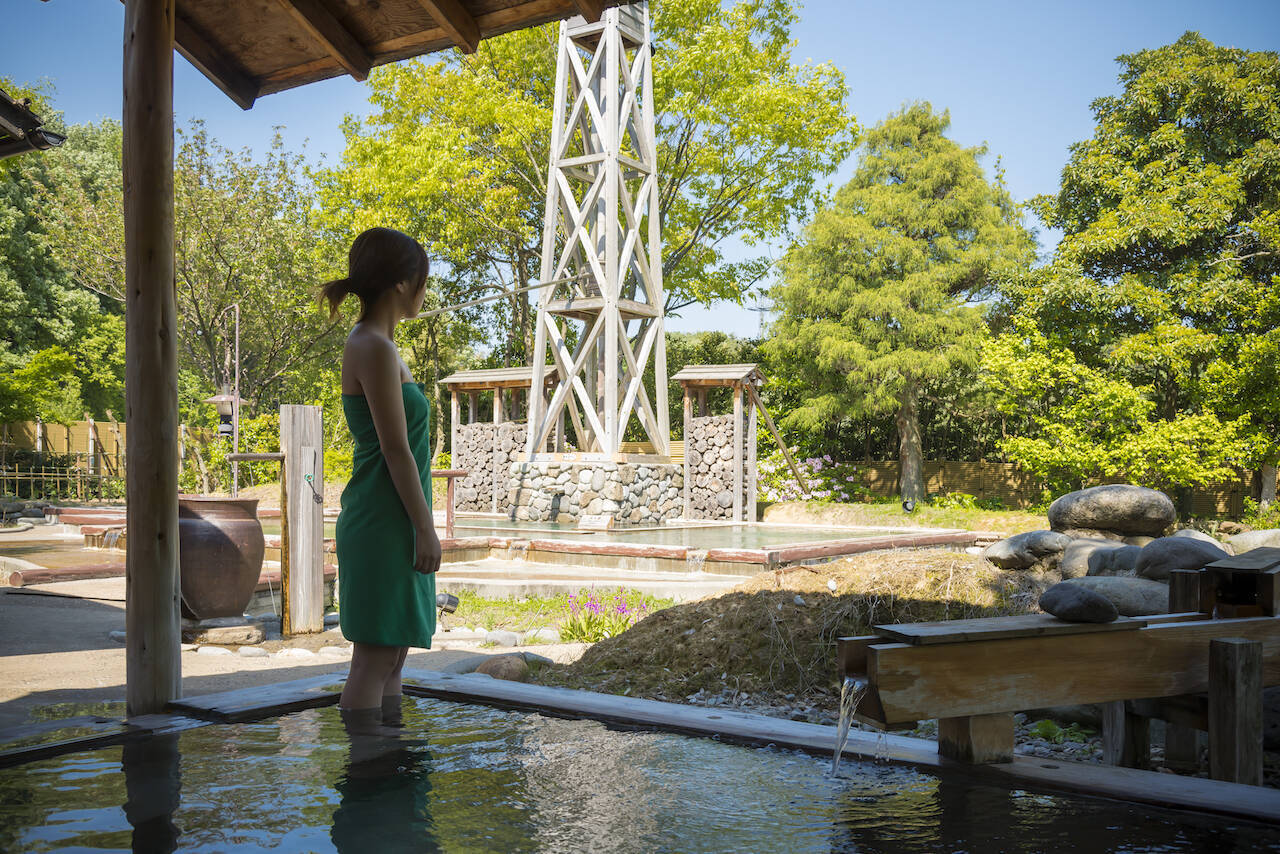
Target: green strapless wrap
(381,600)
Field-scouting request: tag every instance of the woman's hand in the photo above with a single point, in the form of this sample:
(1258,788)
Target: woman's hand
(427,551)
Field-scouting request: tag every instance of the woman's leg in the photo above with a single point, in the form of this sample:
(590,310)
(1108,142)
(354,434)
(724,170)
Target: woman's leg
(371,667)
(391,688)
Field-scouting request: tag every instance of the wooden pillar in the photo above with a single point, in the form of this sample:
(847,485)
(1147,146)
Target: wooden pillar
(1235,710)
(702,403)
(1182,742)
(302,479)
(752,477)
(738,437)
(455,412)
(153,666)
(493,451)
(688,472)
(1126,737)
(473,401)
(977,739)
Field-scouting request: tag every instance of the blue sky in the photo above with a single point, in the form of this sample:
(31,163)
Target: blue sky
(1017,76)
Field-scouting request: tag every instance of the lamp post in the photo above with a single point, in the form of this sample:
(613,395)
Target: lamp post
(229,404)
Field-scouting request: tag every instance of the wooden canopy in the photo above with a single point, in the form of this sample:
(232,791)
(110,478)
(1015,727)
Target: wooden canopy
(485,379)
(22,130)
(250,48)
(719,375)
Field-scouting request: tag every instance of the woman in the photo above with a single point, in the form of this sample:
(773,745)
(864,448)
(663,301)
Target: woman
(388,550)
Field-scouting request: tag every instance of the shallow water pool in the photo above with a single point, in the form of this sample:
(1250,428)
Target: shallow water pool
(470,778)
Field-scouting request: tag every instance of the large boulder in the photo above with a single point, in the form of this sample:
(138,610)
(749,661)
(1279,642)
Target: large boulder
(1133,597)
(1193,534)
(1250,540)
(1077,604)
(1097,557)
(1022,551)
(1161,557)
(1120,507)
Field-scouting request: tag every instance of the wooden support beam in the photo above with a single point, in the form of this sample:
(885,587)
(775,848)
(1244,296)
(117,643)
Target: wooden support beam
(1235,710)
(223,72)
(977,739)
(302,582)
(1182,742)
(737,453)
(153,666)
(455,413)
(1126,737)
(688,471)
(753,476)
(589,9)
(456,21)
(329,33)
(777,437)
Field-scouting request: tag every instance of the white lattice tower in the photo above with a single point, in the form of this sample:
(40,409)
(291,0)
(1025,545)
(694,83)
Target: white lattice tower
(601,235)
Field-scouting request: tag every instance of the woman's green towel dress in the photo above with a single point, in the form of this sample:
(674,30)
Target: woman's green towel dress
(381,600)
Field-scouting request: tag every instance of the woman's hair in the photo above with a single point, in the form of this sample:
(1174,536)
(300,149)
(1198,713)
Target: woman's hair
(379,259)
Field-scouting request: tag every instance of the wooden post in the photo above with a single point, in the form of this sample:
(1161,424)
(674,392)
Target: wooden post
(977,739)
(153,666)
(702,403)
(302,582)
(737,452)
(493,451)
(455,412)
(1182,742)
(1126,737)
(688,472)
(473,400)
(1235,710)
(752,476)
(777,437)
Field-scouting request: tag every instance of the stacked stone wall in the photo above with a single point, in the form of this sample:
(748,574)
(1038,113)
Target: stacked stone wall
(632,493)
(709,451)
(486,451)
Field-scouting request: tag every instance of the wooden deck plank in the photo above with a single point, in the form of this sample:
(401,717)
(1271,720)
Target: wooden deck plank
(993,628)
(250,703)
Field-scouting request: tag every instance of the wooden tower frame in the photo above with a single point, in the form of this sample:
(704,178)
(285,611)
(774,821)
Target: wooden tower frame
(601,241)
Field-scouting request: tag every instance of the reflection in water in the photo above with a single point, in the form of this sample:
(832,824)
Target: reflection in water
(384,790)
(153,785)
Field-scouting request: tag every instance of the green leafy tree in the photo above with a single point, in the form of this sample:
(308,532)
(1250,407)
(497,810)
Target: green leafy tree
(1171,215)
(877,301)
(245,233)
(44,387)
(456,152)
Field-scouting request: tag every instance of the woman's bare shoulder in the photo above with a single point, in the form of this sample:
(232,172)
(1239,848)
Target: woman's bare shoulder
(366,354)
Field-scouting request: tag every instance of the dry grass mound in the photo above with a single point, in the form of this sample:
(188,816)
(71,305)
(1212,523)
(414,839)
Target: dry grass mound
(776,633)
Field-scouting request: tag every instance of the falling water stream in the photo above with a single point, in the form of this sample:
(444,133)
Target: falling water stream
(851,692)
(695,559)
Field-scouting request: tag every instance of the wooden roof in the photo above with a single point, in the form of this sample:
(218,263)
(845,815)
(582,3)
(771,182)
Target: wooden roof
(719,375)
(250,48)
(22,130)
(488,378)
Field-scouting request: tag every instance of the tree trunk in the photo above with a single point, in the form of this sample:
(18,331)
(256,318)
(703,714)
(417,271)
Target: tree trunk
(1268,495)
(910,456)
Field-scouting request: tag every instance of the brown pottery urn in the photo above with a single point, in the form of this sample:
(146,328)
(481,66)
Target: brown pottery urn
(220,550)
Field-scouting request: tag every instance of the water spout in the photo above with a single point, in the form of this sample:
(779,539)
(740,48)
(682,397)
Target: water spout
(695,559)
(851,692)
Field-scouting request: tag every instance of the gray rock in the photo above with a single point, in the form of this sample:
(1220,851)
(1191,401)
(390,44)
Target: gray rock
(1161,557)
(1097,557)
(1250,540)
(501,637)
(118,637)
(213,650)
(1077,604)
(1024,550)
(543,635)
(1133,597)
(1093,534)
(533,659)
(253,652)
(1119,507)
(1193,534)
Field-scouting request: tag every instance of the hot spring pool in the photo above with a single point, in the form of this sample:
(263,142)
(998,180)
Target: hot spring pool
(472,778)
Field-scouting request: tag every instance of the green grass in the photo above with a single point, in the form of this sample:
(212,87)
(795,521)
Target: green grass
(891,514)
(523,615)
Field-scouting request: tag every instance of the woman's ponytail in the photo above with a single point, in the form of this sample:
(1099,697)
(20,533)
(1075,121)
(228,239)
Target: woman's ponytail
(335,292)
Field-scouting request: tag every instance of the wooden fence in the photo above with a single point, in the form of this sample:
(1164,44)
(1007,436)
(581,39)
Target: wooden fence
(83,460)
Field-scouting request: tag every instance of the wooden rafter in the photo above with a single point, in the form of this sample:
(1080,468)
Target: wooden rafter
(589,9)
(224,72)
(329,32)
(456,21)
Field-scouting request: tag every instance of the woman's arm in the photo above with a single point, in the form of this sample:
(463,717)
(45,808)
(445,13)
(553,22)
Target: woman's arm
(379,376)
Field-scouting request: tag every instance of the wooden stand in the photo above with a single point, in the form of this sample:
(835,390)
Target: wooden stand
(977,739)
(1235,710)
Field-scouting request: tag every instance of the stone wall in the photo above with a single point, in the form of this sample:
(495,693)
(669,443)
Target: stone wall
(708,449)
(487,453)
(632,493)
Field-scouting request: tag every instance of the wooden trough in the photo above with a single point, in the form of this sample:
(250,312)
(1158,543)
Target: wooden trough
(1197,668)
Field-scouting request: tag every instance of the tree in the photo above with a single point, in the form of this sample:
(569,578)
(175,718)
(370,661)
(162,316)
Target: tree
(1171,211)
(877,299)
(456,153)
(245,233)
